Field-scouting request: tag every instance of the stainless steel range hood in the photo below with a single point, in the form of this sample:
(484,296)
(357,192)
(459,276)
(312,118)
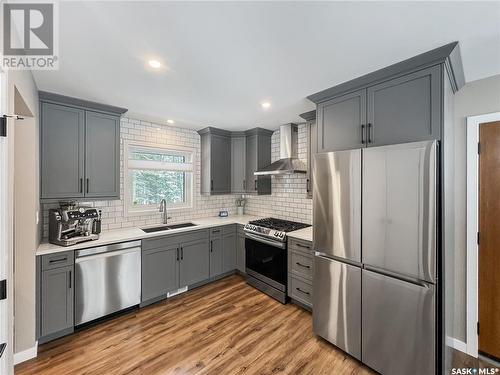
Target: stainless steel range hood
(288,162)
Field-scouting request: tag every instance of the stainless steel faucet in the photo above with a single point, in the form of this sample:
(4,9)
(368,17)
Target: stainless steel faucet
(163,210)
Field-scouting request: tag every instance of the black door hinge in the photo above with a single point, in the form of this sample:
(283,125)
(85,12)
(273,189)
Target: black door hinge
(3,126)
(478,328)
(478,238)
(478,148)
(3,289)
(3,123)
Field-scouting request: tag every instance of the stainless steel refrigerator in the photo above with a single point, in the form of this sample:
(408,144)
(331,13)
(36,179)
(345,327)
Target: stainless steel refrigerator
(375,235)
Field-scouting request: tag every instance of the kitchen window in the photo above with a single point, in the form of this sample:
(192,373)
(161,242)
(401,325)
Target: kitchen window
(154,173)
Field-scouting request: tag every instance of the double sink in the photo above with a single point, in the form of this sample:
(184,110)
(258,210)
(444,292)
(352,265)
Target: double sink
(167,227)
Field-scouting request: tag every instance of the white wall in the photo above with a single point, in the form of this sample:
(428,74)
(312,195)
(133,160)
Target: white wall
(475,98)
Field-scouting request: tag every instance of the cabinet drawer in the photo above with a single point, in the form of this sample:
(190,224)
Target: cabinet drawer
(301,264)
(215,232)
(229,229)
(57,260)
(300,245)
(301,291)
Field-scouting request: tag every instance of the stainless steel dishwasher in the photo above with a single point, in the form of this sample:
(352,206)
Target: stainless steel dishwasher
(107,280)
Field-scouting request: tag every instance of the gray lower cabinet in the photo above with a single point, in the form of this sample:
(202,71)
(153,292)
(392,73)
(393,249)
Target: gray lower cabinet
(300,272)
(405,109)
(194,264)
(55,296)
(229,251)
(160,271)
(172,262)
(79,152)
(240,250)
(102,155)
(215,252)
(215,161)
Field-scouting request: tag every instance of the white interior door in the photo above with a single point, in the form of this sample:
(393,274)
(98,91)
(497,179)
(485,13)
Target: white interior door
(6,320)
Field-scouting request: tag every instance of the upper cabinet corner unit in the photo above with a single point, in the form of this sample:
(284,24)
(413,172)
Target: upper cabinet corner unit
(229,160)
(398,104)
(79,148)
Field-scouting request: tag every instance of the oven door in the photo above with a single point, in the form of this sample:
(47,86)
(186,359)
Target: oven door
(266,260)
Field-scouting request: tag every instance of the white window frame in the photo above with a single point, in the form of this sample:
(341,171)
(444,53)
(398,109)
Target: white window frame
(129,209)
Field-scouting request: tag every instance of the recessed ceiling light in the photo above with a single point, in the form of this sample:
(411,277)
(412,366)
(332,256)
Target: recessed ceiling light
(154,64)
(266,105)
(170,121)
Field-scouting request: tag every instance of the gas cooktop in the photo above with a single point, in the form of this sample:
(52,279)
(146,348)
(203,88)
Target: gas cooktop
(273,228)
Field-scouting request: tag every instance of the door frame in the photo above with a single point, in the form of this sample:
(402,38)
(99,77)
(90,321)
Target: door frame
(6,228)
(472,213)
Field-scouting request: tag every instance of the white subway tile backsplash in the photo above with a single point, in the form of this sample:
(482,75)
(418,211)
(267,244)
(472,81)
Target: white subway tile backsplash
(288,200)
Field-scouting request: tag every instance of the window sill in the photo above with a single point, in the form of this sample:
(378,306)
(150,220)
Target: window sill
(146,212)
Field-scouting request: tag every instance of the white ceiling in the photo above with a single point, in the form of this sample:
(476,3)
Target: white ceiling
(224,58)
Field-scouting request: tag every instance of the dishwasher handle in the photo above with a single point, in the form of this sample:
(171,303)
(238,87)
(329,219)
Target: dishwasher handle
(107,255)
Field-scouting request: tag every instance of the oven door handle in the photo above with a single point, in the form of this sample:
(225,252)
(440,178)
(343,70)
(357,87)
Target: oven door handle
(281,245)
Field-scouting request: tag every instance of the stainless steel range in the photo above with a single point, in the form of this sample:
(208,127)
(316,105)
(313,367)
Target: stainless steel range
(266,255)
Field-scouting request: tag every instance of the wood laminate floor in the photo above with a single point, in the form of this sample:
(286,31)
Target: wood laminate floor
(226,327)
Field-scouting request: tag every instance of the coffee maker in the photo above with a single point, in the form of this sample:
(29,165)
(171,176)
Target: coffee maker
(70,224)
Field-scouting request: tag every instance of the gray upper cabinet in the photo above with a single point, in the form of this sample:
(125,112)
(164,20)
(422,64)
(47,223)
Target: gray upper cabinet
(194,263)
(62,151)
(79,148)
(160,273)
(215,161)
(102,155)
(238,162)
(56,300)
(312,148)
(258,155)
(340,122)
(405,109)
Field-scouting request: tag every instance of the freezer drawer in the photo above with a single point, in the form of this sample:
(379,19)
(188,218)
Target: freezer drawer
(337,304)
(399,209)
(398,325)
(337,204)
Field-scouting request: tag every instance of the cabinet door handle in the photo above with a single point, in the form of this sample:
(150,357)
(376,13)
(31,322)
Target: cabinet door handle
(308,184)
(255,184)
(58,260)
(211,246)
(212,185)
(70,275)
(370,133)
(303,291)
(363,140)
(302,265)
(88,184)
(177,252)
(244,184)
(81,185)
(182,253)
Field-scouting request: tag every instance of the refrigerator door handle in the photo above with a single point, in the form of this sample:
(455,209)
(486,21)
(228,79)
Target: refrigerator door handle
(411,280)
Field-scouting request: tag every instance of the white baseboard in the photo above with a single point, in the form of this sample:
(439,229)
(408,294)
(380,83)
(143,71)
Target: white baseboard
(456,344)
(26,354)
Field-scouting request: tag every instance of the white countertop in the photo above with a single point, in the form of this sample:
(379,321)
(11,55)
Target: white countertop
(305,234)
(131,234)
